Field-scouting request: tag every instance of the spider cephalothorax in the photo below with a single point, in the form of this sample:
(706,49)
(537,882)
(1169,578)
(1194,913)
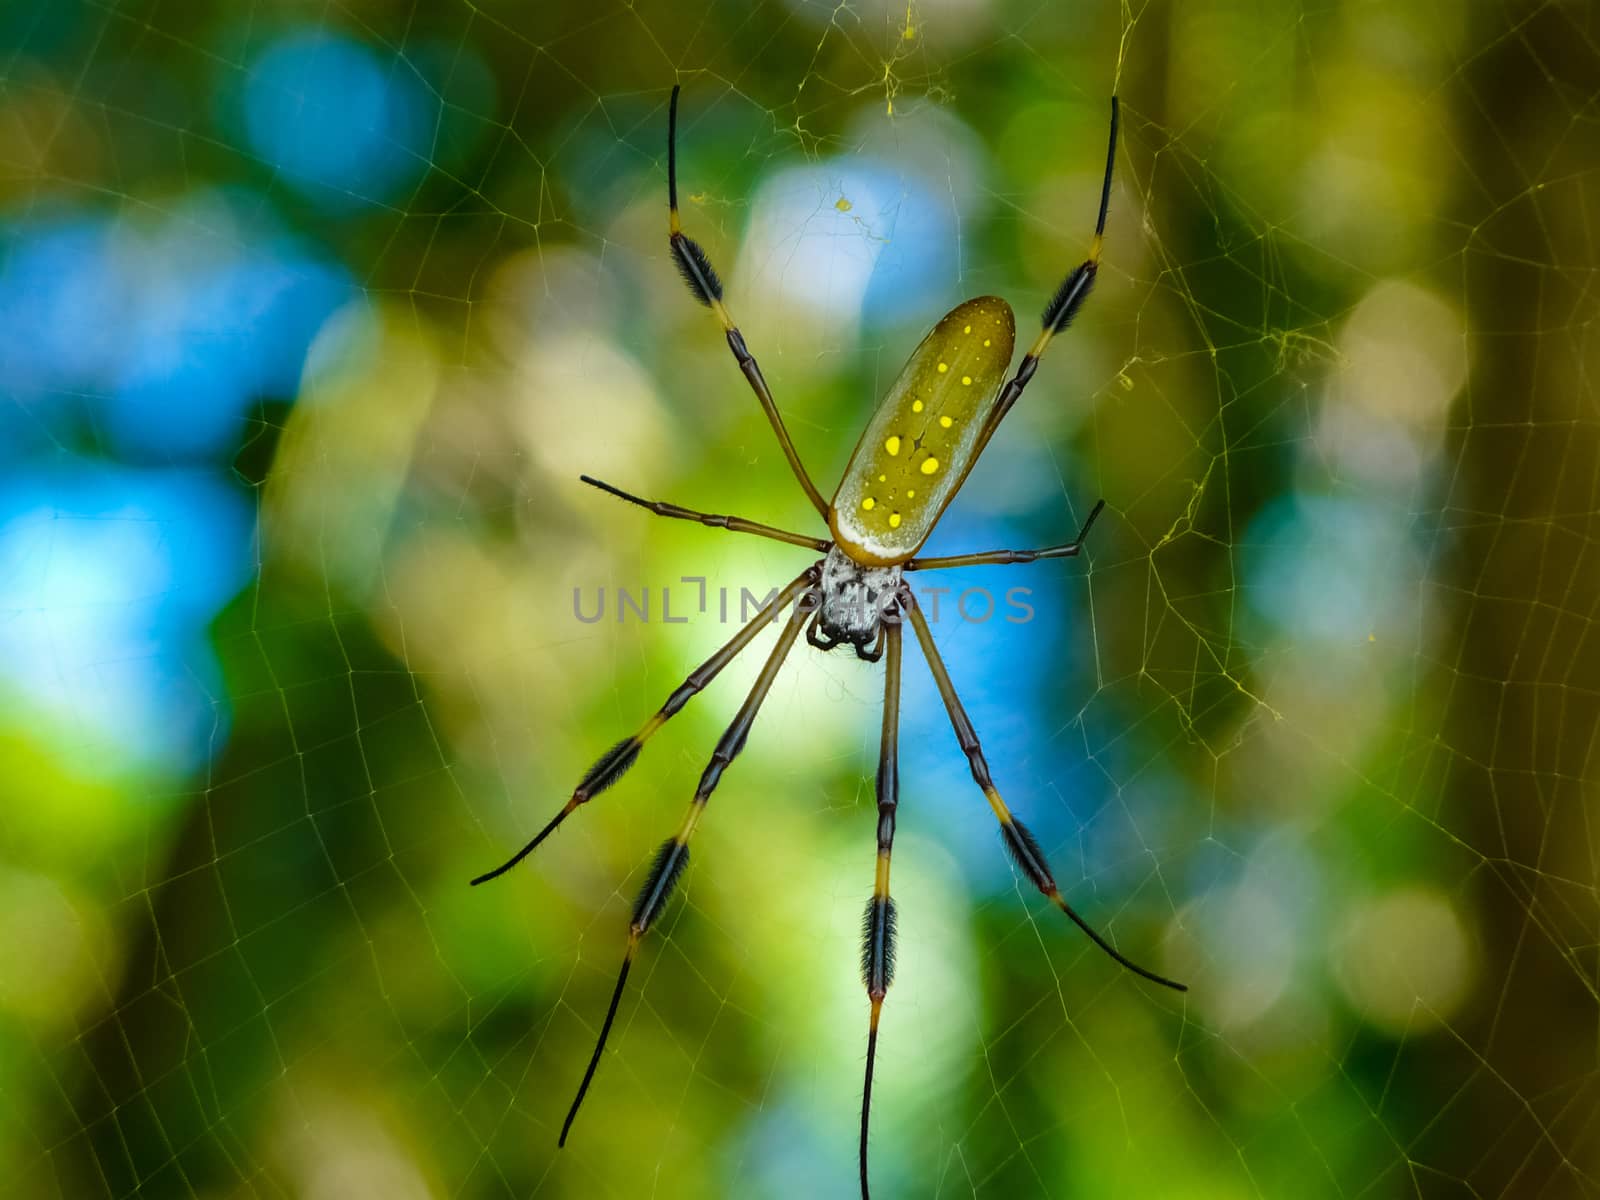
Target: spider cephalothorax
(851,602)
(911,460)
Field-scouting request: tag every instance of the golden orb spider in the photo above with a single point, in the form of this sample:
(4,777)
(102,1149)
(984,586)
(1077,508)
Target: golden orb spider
(916,451)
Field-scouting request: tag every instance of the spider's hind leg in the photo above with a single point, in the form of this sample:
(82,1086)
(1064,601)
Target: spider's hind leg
(695,267)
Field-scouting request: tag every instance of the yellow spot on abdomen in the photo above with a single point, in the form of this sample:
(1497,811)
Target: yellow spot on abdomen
(985,341)
(894,520)
(946,422)
(930,465)
(868,503)
(968,329)
(892,445)
(967,379)
(911,493)
(943,367)
(916,406)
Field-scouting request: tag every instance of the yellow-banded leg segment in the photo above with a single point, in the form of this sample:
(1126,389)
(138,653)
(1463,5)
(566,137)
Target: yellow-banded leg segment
(878,923)
(1021,844)
(673,855)
(1002,557)
(695,267)
(1063,306)
(614,763)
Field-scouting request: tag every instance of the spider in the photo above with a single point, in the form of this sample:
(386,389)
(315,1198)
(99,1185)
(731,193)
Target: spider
(917,449)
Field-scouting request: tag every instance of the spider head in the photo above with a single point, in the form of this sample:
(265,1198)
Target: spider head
(851,603)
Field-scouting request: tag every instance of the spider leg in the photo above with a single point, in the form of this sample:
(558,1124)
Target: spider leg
(1063,306)
(1019,841)
(878,923)
(734,524)
(673,856)
(701,277)
(616,761)
(996,557)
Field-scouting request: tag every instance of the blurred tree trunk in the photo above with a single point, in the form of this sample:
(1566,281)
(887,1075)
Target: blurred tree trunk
(1519,667)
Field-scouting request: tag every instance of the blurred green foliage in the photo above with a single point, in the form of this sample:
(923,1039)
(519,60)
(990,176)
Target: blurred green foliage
(1312,725)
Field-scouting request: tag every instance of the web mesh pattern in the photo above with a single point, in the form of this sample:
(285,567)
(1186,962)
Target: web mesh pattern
(312,316)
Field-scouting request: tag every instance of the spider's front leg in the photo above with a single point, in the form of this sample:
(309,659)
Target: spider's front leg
(878,923)
(614,763)
(673,856)
(1024,848)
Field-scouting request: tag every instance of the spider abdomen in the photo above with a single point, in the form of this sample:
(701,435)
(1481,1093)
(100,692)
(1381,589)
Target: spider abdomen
(924,435)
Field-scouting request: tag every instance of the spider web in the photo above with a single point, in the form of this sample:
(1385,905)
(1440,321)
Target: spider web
(314,312)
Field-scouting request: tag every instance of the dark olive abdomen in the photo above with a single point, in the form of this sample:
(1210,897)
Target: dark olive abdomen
(919,444)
